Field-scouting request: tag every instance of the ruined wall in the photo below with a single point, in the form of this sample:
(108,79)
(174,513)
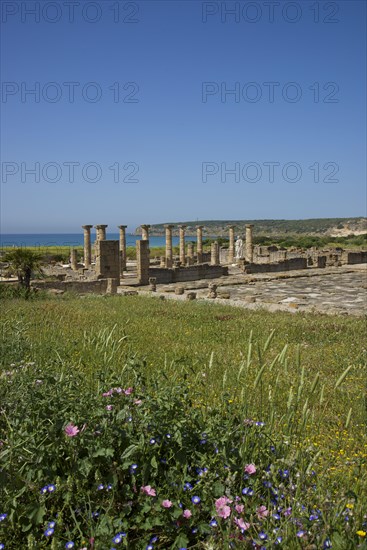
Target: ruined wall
(191,273)
(286,265)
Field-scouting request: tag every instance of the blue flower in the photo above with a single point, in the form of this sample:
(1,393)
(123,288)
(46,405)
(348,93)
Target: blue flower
(278,540)
(300,533)
(327,544)
(247,491)
(149,547)
(262,535)
(153,539)
(109,487)
(168,436)
(276,516)
(69,544)
(117,539)
(152,441)
(44,489)
(100,487)
(194,530)
(202,441)
(2,546)
(213,523)
(195,500)
(133,467)
(51,488)
(51,524)
(313,517)
(49,532)
(187,486)
(3,516)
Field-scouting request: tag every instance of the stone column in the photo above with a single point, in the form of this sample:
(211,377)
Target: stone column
(214,256)
(199,238)
(101,232)
(182,244)
(122,247)
(87,246)
(142,261)
(74,259)
(190,253)
(249,249)
(145,232)
(231,250)
(169,255)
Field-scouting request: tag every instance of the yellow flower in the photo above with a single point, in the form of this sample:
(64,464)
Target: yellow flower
(361,533)
(350,506)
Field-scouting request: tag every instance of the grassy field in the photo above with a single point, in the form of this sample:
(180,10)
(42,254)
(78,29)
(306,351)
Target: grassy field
(303,376)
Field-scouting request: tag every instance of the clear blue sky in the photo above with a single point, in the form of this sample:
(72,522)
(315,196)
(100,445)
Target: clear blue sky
(172,129)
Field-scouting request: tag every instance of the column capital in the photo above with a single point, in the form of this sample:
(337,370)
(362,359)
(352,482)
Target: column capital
(231,226)
(122,226)
(249,225)
(101,226)
(182,226)
(145,226)
(199,226)
(87,227)
(169,225)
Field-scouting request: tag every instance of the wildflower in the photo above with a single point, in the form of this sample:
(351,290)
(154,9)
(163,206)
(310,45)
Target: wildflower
(2,546)
(152,441)
(51,488)
(222,508)
(148,490)
(300,533)
(239,508)
(241,524)
(109,407)
(187,486)
(166,503)
(313,517)
(49,532)
(51,524)
(3,516)
(213,523)
(117,390)
(100,487)
(118,538)
(250,469)
(69,544)
(262,535)
(44,489)
(109,487)
(247,491)
(138,402)
(195,500)
(153,539)
(287,512)
(107,393)
(71,430)
(149,547)
(133,467)
(327,544)
(278,540)
(128,391)
(361,533)
(262,512)
(187,514)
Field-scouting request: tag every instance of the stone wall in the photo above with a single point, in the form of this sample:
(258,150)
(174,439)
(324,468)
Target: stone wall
(191,273)
(286,265)
(83,287)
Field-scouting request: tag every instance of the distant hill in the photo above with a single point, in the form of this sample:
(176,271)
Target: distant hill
(333,227)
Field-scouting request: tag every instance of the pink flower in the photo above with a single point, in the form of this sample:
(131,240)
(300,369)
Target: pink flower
(138,402)
(250,469)
(109,407)
(107,393)
(71,430)
(239,508)
(166,503)
(128,391)
(241,524)
(262,512)
(187,514)
(147,490)
(222,508)
(117,390)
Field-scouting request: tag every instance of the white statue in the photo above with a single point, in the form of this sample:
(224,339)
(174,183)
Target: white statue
(239,248)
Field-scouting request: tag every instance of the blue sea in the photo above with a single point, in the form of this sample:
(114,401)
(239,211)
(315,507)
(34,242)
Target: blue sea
(74,239)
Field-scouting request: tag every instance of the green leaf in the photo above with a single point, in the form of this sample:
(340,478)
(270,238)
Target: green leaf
(103,452)
(153,462)
(181,541)
(128,452)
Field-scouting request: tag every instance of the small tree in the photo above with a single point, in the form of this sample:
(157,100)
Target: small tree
(24,262)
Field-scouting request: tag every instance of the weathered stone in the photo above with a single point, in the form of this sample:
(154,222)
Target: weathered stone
(108,259)
(179,290)
(112,285)
(145,232)
(182,244)
(249,247)
(122,229)
(142,261)
(169,253)
(199,239)
(214,260)
(224,295)
(231,251)
(212,290)
(153,283)
(191,296)
(87,246)
(74,259)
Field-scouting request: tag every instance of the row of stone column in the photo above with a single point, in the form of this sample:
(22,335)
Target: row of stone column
(199,239)
(101,236)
